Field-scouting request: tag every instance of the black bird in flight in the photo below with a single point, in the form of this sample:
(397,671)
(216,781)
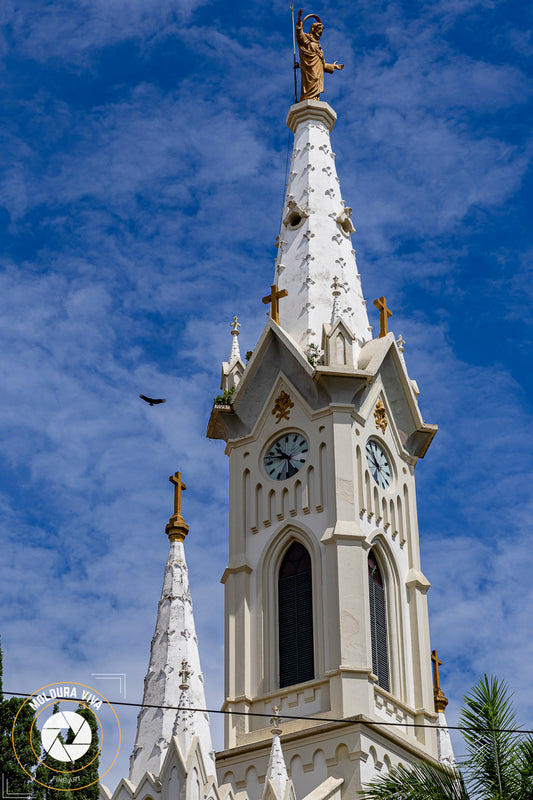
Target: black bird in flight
(151,400)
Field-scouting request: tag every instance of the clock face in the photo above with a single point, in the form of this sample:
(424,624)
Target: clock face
(286,456)
(379,466)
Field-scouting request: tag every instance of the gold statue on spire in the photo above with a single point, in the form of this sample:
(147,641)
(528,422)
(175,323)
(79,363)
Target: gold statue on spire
(312,61)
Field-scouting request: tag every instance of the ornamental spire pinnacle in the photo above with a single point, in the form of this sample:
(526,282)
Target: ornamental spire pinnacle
(177,528)
(235,350)
(174,678)
(314,245)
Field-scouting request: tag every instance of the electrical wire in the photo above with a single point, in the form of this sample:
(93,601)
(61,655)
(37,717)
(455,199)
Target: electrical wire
(350,721)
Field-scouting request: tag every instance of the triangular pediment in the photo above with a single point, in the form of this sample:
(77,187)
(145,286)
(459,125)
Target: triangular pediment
(381,361)
(275,354)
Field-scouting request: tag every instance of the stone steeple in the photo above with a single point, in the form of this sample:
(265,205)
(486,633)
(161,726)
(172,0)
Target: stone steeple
(314,245)
(277,770)
(174,678)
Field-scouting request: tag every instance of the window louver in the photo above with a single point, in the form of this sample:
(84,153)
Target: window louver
(378,624)
(295,602)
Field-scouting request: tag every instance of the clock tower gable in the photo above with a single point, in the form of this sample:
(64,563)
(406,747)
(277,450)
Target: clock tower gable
(276,353)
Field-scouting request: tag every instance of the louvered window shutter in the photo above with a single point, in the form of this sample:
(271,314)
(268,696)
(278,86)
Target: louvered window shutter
(378,624)
(295,602)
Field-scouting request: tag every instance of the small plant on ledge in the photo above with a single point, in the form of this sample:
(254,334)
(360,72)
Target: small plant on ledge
(313,354)
(226,398)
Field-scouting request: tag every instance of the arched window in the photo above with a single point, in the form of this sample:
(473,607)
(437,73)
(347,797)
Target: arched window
(295,601)
(378,623)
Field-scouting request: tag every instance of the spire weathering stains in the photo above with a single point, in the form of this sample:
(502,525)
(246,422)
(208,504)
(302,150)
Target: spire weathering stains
(314,245)
(173,644)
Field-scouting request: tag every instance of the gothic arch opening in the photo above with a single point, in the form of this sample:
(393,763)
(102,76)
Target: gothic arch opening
(378,623)
(295,617)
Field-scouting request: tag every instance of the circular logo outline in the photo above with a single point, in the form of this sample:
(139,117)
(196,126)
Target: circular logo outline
(39,691)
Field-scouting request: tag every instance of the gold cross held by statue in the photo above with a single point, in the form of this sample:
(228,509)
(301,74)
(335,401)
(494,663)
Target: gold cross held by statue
(384,314)
(178,486)
(436,664)
(273,299)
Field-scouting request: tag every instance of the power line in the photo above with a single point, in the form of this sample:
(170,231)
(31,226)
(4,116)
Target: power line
(350,721)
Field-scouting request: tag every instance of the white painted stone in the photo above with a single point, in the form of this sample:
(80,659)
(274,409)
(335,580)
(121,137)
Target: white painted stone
(277,770)
(174,641)
(444,743)
(316,244)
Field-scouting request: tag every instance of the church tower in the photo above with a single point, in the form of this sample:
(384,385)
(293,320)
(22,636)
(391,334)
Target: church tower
(325,600)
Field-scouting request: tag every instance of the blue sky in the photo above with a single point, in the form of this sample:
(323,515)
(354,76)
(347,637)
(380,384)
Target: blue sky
(144,150)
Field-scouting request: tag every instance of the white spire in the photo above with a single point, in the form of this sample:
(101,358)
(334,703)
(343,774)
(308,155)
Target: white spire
(235,351)
(336,311)
(314,244)
(444,743)
(174,676)
(277,771)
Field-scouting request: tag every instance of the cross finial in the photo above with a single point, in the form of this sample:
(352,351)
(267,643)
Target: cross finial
(336,286)
(384,314)
(177,528)
(275,721)
(273,299)
(438,695)
(235,325)
(178,486)
(185,674)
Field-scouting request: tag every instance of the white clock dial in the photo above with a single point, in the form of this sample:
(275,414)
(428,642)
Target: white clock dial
(379,466)
(286,456)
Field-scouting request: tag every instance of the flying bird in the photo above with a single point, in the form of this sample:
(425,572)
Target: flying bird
(152,401)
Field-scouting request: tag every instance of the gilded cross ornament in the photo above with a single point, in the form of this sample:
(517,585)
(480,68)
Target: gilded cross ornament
(185,674)
(440,700)
(380,415)
(275,721)
(177,529)
(282,406)
(384,314)
(273,299)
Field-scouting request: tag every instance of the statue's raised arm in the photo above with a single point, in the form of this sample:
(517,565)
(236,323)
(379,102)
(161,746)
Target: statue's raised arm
(312,61)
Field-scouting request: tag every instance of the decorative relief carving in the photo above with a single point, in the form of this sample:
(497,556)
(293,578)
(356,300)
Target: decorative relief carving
(282,406)
(380,415)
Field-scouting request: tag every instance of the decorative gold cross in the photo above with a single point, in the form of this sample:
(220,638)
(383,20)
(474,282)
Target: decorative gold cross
(436,664)
(178,486)
(439,698)
(273,299)
(185,674)
(384,314)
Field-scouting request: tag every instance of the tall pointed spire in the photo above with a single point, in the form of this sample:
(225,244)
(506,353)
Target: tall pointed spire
(174,678)
(277,770)
(314,244)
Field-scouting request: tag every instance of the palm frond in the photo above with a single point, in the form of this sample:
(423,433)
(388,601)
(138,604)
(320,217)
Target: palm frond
(486,722)
(419,781)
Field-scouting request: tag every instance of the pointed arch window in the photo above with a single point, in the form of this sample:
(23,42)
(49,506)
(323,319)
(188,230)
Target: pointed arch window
(378,623)
(295,604)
